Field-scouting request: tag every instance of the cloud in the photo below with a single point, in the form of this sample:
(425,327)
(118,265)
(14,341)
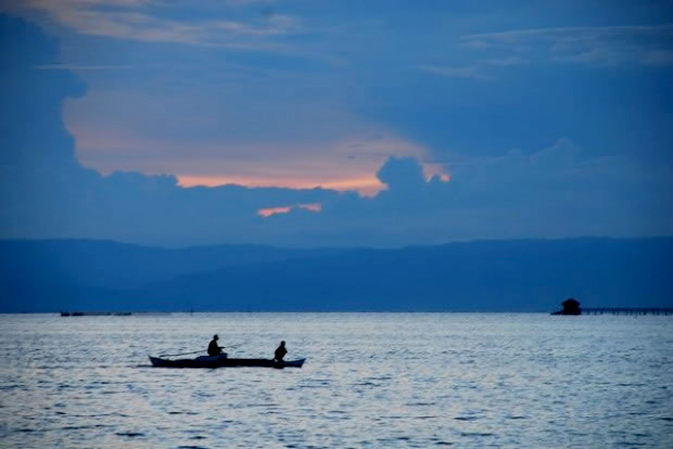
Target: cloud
(78,67)
(280,133)
(505,62)
(552,193)
(249,2)
(318,147)
(596,45)
(267,212)
(657,57)
(403,173)
(139,20)
(32,99)
(47,193)
(470,71)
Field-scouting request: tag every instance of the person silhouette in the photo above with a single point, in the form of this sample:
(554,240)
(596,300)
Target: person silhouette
(280,352)
(213,348)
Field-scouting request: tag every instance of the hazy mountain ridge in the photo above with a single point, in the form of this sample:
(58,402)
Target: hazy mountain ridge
(511,275)
(32,272)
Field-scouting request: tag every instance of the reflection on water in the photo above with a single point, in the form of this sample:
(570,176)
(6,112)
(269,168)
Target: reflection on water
(377,380)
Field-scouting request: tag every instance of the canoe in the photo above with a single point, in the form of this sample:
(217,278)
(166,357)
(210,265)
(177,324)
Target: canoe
(217,361)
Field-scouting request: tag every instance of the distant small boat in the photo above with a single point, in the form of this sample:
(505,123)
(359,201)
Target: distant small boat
(217,361)
(96,313)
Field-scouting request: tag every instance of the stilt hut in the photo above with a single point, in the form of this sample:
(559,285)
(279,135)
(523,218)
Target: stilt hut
(571,306)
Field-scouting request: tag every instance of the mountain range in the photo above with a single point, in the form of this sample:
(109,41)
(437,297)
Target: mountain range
(480,276)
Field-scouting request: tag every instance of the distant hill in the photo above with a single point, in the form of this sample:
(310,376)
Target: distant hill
(514,275)
(41,275)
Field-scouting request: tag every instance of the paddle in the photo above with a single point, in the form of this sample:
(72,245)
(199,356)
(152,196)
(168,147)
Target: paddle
(182,353)
(194,352)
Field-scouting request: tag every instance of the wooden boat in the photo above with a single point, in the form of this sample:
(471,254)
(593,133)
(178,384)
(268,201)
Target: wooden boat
(218,361)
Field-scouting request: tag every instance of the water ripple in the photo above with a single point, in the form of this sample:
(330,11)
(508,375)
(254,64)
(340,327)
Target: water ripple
(458,379)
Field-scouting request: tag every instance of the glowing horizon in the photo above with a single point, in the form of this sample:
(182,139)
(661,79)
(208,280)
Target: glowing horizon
(348,164)
(367,186)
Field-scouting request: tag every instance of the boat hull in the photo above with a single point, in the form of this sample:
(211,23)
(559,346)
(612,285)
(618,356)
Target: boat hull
(223,362)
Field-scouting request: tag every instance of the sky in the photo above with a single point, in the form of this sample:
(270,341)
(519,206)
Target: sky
(310,123)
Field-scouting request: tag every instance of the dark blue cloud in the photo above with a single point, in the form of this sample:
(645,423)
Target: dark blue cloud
(402,174)
(32,130)
(554,192)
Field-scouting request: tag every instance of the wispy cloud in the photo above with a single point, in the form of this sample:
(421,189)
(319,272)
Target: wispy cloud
(138,20)
(505,62)
(599,45)
(77,67)
(249,2)
(269,211)
(221,24)
(469,71)
(658,57)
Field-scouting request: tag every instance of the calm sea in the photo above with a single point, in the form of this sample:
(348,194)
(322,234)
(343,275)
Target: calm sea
(371,380)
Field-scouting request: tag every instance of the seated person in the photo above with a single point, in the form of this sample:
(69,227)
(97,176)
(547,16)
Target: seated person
(213,348)
(280,352)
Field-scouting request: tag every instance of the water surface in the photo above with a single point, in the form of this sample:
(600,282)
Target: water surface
(371,380)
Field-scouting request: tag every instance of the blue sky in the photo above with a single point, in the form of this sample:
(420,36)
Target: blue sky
(421,123)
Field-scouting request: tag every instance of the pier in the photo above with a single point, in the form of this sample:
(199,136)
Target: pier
(571,306)
(626,311)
